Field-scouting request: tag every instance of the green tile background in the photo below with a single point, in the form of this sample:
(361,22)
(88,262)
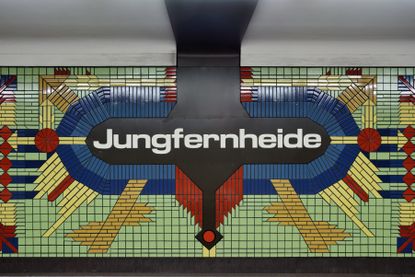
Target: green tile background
(171,233)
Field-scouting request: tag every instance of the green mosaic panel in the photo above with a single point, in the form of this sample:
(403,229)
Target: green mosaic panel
(170,229)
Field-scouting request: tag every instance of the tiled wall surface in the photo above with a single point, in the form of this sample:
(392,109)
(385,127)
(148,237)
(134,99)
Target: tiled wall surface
(56,200)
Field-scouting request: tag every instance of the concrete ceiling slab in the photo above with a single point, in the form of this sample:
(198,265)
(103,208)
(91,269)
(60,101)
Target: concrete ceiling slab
(331,32)
(85,32)
(132,32)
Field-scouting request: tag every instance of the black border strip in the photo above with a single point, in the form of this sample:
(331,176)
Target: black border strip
(158,266)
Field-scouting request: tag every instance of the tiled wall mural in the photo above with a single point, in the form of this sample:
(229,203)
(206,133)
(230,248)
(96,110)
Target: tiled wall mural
(57,199)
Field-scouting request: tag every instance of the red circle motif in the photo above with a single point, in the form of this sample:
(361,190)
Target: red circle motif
(46,140)
(209,236)
(369,140)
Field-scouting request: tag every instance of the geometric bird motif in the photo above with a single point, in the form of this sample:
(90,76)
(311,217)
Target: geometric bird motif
(363,173)
(318,235)
(53,174)
(126,212)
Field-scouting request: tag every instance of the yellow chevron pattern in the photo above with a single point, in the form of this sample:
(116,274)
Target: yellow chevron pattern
(406,113)
(126,212)
(73,198)
(369,115)
(341,195)
(92,82)
(52,173)
(46,116)
(318,235)
(406,213)
(364,173)
(8,214)
(334,82)
(8,114)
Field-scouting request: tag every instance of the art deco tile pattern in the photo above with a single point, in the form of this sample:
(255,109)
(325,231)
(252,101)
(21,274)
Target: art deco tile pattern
(58,200)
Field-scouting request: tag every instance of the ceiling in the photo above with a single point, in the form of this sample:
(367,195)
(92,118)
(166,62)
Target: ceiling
(85,32)
(331,32)
(138,32)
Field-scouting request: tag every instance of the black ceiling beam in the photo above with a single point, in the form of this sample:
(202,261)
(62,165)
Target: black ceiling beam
(209,32)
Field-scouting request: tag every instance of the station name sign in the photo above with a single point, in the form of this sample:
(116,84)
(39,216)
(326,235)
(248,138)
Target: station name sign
(171,141)
(162,144)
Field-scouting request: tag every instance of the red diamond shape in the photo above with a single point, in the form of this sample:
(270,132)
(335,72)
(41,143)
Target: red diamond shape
(5,148)
(5,179)
(409,148)
(5,164)
(408,163)
(409,178)
(5,132)
(409,195)
(409,132)
(5,195)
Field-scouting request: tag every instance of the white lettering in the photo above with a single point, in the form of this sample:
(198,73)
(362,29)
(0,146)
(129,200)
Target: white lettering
(106,145)
(163,143)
